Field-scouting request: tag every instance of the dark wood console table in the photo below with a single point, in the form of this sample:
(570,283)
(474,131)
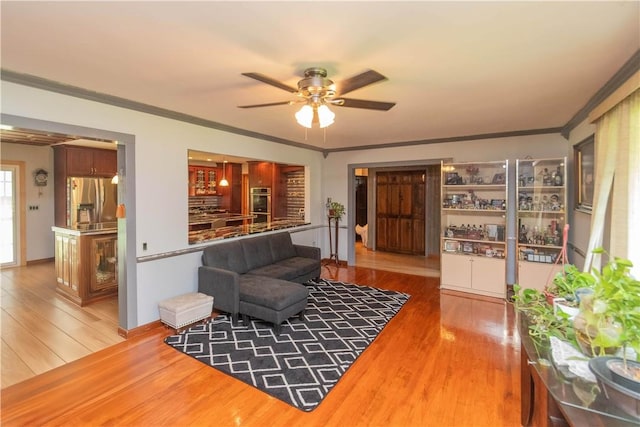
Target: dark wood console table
(552,396)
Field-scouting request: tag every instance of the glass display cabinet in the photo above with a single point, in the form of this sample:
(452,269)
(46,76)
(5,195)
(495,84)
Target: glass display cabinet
(542,202)
(473,219)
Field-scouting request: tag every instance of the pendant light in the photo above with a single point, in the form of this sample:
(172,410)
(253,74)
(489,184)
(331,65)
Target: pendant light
(223,181)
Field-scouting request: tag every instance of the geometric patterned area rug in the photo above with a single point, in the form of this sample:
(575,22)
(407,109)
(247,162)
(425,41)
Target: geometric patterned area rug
(303,363)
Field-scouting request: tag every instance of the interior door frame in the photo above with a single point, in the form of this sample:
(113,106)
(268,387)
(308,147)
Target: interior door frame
(127,269)
(20,212)
(351,196)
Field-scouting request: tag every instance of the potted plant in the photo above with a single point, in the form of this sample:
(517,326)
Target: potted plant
(568,282)
(544,322)
(336,210)
(610,319)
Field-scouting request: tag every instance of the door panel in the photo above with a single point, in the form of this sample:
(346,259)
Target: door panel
(400,211)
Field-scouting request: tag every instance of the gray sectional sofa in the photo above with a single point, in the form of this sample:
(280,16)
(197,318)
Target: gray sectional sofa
(259,277)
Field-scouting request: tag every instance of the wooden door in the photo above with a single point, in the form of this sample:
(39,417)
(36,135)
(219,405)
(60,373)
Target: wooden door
(400,212)
(382,213)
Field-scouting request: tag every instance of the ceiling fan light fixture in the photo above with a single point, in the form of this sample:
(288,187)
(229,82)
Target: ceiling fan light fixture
(325,116)
(304,117)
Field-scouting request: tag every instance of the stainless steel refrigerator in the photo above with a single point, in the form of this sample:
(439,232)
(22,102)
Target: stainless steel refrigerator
(91,200)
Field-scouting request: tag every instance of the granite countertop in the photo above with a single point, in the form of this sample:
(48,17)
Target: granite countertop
(201,236)
(88,229)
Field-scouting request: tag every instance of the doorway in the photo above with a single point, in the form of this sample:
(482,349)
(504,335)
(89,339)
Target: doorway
(127,266)
(11,216)
(430,206)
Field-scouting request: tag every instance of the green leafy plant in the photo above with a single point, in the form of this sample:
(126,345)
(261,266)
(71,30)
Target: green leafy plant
(566,283)
(336,209)
(543,322)
(611,316)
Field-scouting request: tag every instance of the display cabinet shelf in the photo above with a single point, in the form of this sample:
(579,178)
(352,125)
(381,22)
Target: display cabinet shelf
(541,218)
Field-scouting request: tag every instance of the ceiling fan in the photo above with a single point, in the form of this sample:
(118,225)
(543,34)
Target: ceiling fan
(317,92)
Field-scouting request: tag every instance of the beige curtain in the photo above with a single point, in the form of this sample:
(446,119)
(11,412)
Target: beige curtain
(617,177)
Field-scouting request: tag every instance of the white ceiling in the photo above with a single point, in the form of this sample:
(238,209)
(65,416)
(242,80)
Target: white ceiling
(454,68)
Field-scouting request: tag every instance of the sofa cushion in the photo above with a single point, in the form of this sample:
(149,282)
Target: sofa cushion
(227,255)
(299,265)
(275,271)
(281,246)
(257,252)
(273,293)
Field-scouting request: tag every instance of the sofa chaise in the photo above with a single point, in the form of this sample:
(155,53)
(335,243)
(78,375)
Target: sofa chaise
(259,277)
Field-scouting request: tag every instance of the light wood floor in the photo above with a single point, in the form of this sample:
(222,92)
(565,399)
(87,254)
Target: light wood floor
(400,263)
(41,330)
(443,360)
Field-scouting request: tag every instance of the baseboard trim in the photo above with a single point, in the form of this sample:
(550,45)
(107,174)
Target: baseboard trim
(327,261)
(139,330)
(40,261)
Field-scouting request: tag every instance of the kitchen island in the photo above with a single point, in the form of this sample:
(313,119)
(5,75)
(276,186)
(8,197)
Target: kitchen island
(86,261)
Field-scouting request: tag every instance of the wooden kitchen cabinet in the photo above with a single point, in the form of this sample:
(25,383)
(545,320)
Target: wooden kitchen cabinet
(83,161)
(86,265)
(73,161)
(67,265)
(203,181)
(260,174)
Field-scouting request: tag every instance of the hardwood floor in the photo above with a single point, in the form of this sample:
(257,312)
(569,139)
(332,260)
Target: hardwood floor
(41,330)
(389,261)
(444,360)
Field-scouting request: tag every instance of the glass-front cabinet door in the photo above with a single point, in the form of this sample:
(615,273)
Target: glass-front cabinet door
(541,220)
(104,273)
(473,220)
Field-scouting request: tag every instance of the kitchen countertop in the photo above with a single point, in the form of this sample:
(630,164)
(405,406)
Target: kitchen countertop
(201,236)
(88,229)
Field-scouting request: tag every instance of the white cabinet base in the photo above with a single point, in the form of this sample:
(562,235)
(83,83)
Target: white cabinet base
(474,274)
(536,275)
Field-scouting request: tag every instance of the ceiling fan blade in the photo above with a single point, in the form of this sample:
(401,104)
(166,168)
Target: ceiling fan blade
(356,82)
(270,104)
(362,103)
(270,81)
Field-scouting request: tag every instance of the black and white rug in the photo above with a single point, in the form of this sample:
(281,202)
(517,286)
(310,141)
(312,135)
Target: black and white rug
(308,358)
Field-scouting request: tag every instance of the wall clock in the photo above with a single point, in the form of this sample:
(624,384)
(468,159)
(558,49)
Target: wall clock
(40,177)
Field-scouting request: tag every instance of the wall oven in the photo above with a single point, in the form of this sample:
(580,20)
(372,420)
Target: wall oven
(260,204)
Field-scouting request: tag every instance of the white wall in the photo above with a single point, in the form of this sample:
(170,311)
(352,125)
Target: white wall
(160,211)
(40,242)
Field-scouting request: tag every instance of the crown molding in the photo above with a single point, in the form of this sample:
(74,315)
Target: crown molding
(78,92)
(619,78)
